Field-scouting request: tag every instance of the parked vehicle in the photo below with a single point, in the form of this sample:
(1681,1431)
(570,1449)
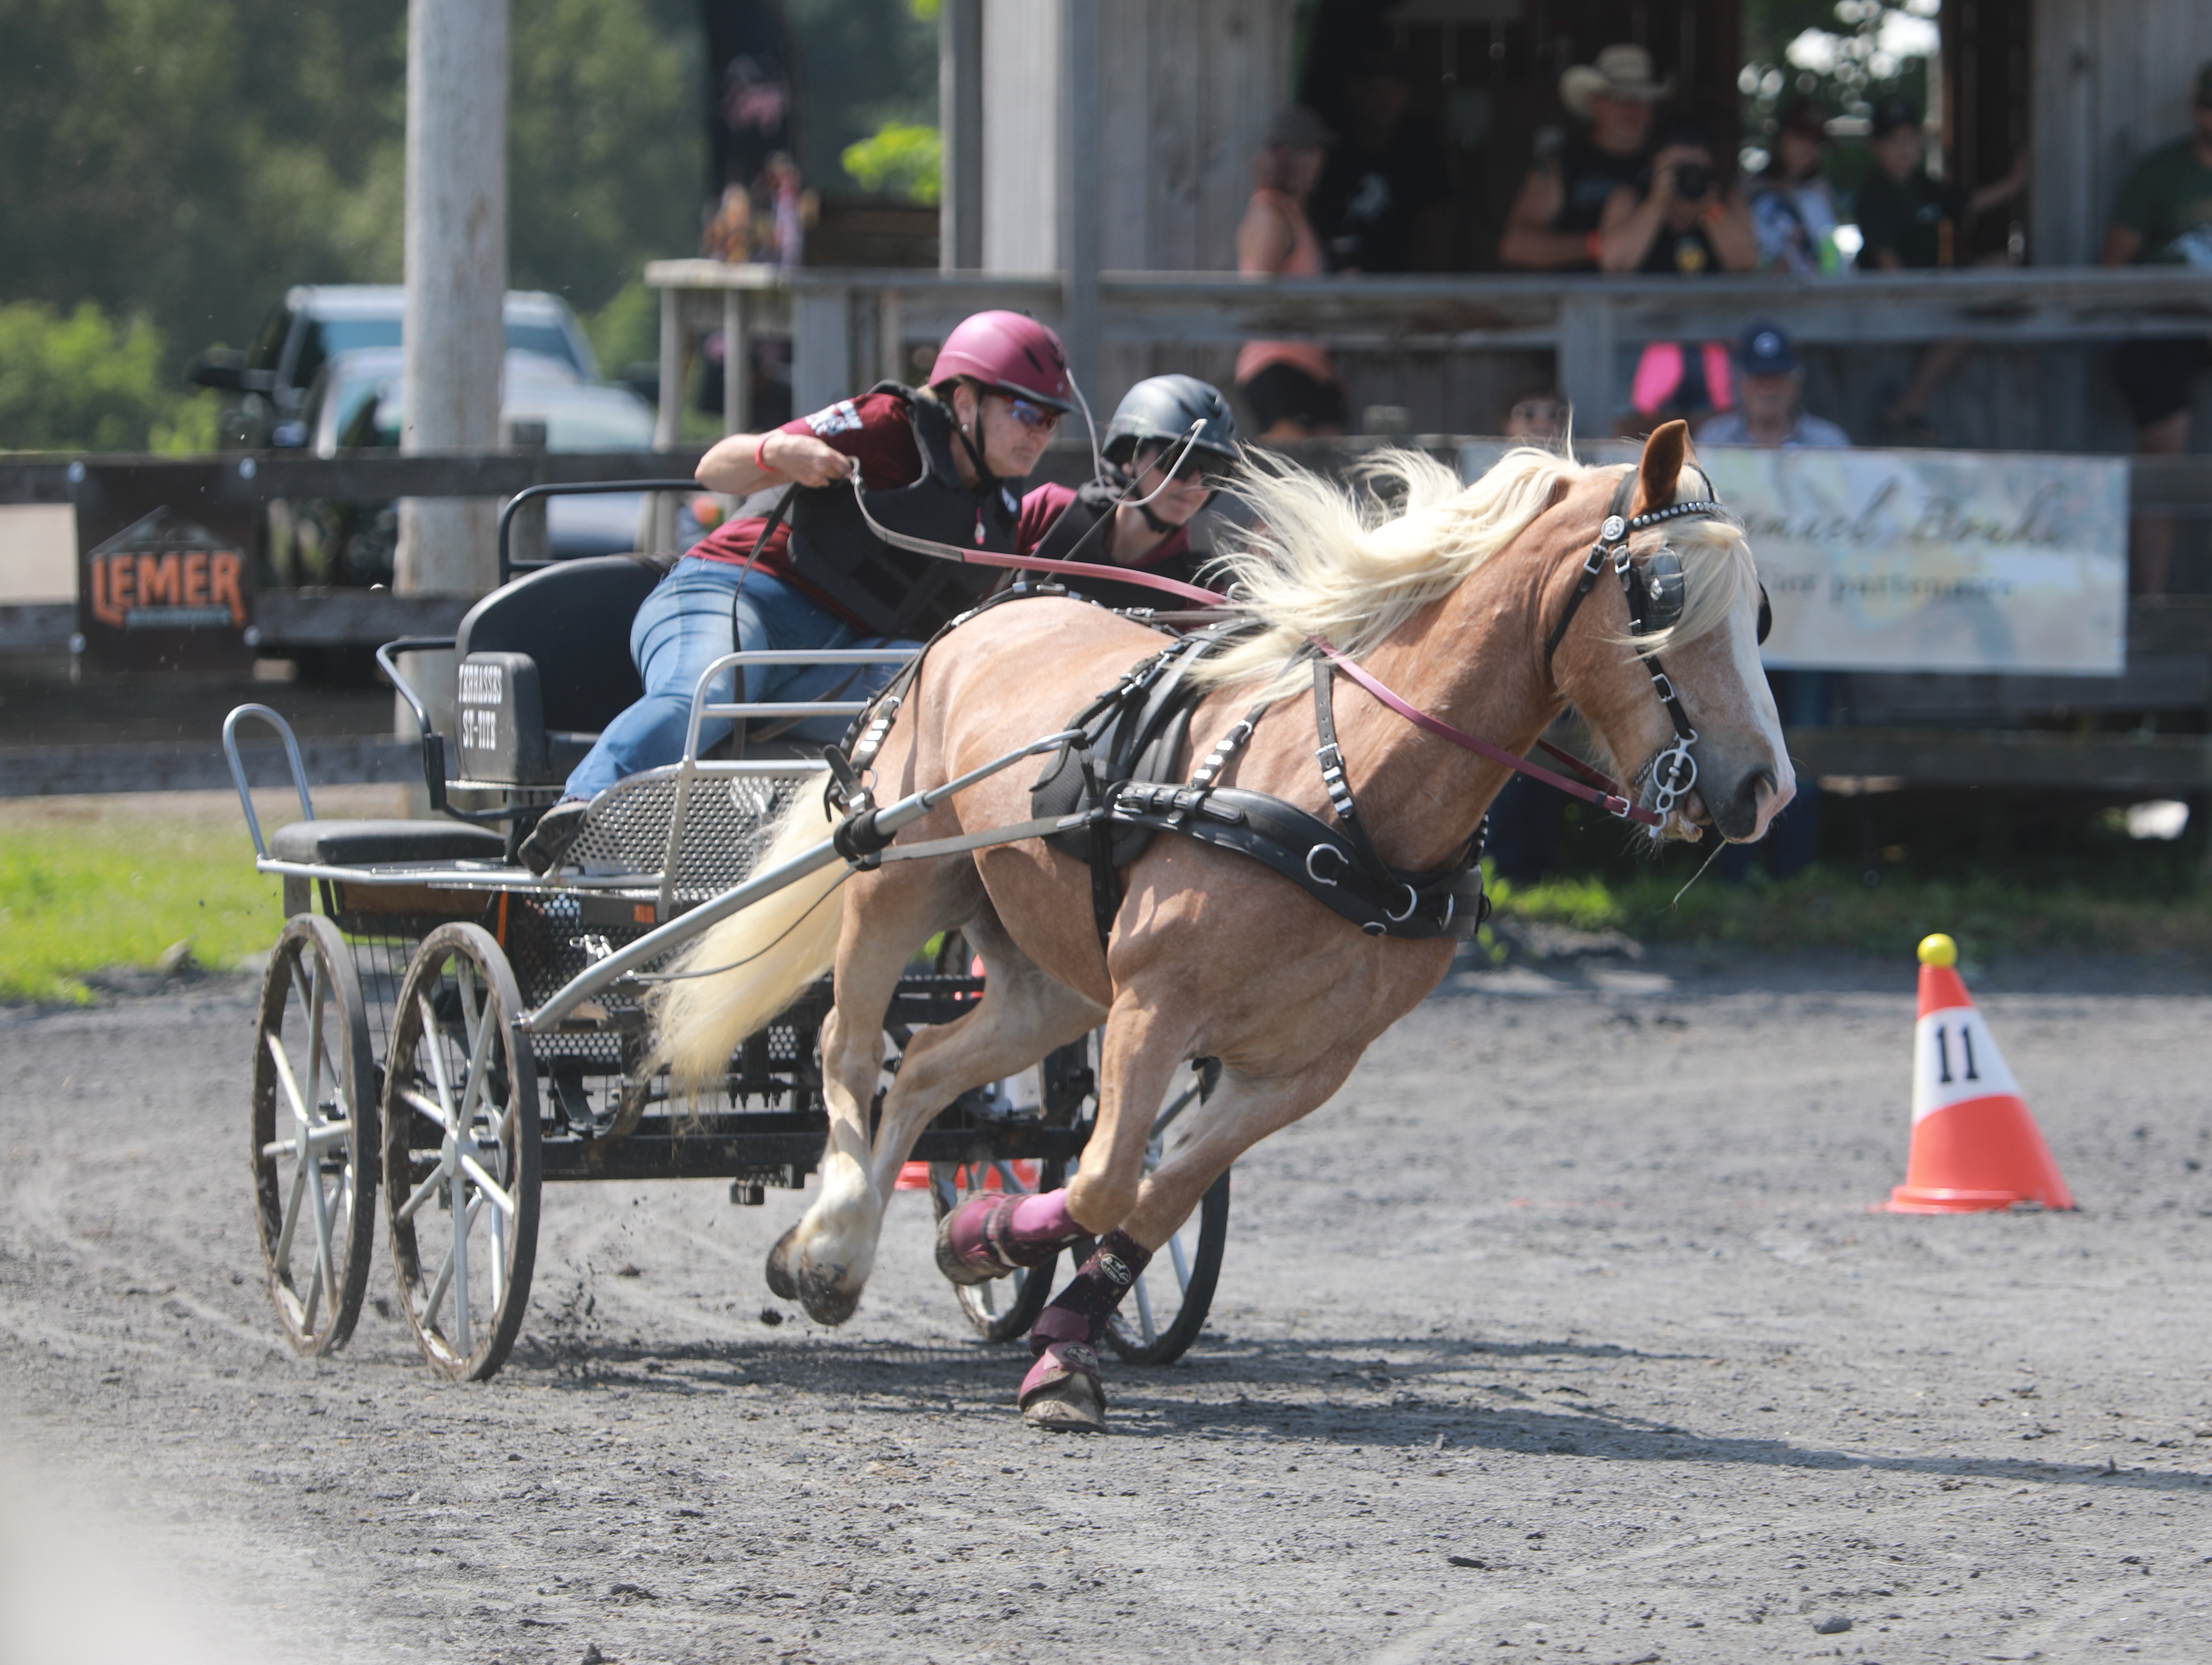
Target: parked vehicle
(357,403)
(317,322)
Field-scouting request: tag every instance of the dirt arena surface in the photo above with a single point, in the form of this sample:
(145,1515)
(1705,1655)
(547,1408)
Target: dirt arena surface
(1566,1331)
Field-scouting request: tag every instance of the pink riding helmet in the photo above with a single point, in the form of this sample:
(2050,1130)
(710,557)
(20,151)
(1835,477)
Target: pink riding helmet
(1010,354)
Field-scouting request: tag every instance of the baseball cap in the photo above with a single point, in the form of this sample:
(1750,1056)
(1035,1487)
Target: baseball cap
(1765,351)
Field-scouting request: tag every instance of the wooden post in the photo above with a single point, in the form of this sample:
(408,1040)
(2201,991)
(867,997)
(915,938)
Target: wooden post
(456,272)
(1080,152)
(737,364)
(820,348)
(1586,350)
(454,349)
(657,532)
(960,116)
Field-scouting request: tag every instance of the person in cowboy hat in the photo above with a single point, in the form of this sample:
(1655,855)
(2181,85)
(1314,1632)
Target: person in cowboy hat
(1553,223)
(938,462)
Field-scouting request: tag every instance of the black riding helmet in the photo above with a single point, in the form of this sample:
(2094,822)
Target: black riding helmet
(1161,409)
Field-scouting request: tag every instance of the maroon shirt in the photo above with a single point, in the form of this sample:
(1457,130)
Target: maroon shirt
(874,427)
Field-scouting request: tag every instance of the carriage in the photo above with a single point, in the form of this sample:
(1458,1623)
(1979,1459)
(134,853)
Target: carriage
(440,1025)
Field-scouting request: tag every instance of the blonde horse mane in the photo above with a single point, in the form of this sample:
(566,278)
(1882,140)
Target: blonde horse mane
(1352,565)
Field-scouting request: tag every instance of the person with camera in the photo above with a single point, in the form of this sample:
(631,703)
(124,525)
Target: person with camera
(1686,223)
(1554,222)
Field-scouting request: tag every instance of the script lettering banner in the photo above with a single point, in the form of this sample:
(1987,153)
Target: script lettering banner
(1936,560)
(1945,561)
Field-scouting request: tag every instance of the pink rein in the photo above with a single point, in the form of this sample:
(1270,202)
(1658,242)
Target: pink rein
(1600,792)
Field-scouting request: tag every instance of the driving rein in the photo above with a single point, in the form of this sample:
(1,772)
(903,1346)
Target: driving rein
(1336,863)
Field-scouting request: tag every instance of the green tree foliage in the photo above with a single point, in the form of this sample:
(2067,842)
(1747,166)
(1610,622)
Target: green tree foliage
(82,381)
(186,160)
(903,158)
(861,64)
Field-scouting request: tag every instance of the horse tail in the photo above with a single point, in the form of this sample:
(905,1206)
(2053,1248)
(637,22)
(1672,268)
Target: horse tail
(748,967)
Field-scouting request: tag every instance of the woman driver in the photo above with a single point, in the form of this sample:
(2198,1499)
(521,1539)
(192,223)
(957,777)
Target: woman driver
(936,463)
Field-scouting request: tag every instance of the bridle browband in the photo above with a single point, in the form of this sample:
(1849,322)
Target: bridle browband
(1656,593)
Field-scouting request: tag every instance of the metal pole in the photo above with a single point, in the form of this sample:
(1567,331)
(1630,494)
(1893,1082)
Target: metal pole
(737,363)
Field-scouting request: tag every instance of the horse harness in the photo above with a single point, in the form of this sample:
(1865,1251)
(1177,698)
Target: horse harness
(1113,786)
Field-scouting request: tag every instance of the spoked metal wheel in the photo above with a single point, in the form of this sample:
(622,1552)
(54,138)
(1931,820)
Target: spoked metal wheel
(1162,1314)
(1006,1307)
(314,1135)
(460,1152)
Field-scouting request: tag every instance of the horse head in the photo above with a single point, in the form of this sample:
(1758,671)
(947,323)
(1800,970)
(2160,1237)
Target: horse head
(1683,617)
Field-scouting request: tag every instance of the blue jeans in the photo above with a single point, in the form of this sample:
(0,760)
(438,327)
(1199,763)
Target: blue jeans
(685,625)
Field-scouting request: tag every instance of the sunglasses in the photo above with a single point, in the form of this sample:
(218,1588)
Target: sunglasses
(1195,466)
(1037,418)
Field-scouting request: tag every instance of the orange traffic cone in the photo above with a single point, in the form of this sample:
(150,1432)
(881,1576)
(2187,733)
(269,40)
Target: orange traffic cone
(1974,1145)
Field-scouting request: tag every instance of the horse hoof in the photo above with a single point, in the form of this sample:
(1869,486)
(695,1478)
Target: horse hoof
(826,1301)
(780,1283)
(1064,1393)
(1068,1408)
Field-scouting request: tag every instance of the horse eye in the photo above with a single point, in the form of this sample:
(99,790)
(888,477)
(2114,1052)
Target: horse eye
(1765,615)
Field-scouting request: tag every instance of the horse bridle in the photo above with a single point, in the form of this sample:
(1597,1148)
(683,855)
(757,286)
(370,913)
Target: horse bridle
(1656,593)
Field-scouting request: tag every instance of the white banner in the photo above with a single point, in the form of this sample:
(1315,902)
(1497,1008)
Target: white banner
(1948,561)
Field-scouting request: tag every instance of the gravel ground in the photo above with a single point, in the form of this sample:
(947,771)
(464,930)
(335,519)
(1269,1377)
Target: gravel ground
(1566,1331)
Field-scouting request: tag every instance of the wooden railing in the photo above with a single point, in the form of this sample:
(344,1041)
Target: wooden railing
(849,328)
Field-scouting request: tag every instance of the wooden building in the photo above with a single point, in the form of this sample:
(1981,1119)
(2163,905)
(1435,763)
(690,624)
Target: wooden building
(1118,135)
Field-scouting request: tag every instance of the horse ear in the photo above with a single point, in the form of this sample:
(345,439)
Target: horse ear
(1664,453)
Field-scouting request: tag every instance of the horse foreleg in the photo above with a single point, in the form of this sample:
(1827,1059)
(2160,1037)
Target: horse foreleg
(1065,1389)
(1207,1139)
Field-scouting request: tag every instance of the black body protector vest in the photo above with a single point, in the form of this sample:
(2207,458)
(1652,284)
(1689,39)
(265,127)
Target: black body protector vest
(896,592)
(1072,538)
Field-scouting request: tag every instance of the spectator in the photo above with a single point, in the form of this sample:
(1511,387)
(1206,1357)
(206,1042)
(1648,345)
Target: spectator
(2163,216)
(1380,200)
(1793,212)
(1538,416)
(1770,409)
(1912,222)
(1554,222)
(1290,386)
(1771,416)
(1684,222)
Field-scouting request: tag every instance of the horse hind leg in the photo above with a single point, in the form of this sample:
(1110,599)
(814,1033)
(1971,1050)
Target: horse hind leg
(1023,1015)
(824,1261)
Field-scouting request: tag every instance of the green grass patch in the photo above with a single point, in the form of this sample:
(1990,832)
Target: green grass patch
(1827,908)
(78,896)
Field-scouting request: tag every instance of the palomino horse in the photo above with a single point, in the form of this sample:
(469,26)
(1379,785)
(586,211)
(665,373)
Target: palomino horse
(1450,602)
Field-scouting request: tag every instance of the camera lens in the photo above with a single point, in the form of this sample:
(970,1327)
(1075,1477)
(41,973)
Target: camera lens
(1694,180)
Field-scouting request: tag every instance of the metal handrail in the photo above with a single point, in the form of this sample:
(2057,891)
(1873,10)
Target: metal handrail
(688,768)
(238,769)
(587,489)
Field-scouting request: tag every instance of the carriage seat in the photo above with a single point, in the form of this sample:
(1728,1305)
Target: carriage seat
(544,665)
(365,843)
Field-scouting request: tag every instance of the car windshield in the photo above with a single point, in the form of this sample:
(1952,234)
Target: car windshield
(326,338)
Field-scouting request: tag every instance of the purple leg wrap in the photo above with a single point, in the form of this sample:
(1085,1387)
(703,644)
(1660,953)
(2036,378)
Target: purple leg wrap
(1044,1219)
(1078,1313)
(992,1234)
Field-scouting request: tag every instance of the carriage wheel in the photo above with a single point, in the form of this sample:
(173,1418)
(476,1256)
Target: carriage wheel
(314,1135)
(1162,1314)
(460,1152)
(1005,1307)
